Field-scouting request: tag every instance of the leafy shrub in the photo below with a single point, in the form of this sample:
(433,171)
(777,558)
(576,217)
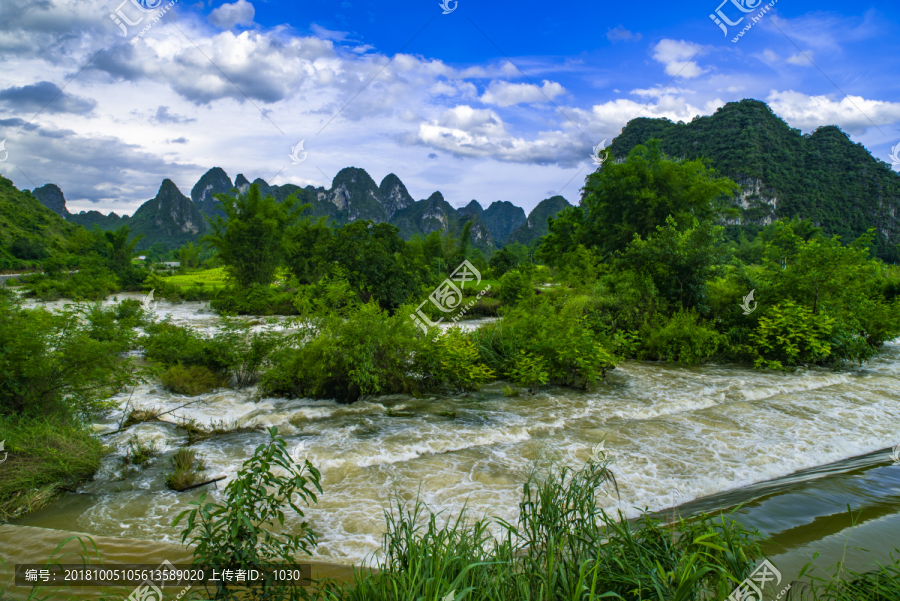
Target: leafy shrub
(139,452)
(788,335)
(255,300)
(369,352)
(515,286)
(234,352)
(553,329)
(129,309)
(191,380)
(29,249)
(529,371)
(454,362)
(246,529)
(683,337)
(89,283)
(68,362)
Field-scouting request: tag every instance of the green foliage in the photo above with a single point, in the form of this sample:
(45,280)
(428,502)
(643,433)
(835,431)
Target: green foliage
(189,255)
(234,352)
(250,239)
(683,337)
(515,286)
(138,452)
(67,362)
(822,176)
(191,380)
(246,529)
(789,335)
(372,258)
(253,300)
(93,281)
(23,217)
(634,198)
(504,260)
(553,330)
(454,362)
(368,352)
(529,371)
(29,249)
(680,261)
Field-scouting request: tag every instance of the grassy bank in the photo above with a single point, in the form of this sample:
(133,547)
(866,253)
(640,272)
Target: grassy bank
(44,456)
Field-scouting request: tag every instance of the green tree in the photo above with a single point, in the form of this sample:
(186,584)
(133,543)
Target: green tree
(635,197)
(679,261)
(250,238)
(189,255)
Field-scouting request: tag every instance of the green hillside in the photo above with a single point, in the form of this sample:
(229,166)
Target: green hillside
(821,176)
(28,230)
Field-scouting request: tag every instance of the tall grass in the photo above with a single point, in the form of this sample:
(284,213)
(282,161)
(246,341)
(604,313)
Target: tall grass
(44,456)
(564,546)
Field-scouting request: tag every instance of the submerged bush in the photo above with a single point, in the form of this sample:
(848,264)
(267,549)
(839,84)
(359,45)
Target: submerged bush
(187,467)
(191,380)
(683,337)
(553,330)
(369,352)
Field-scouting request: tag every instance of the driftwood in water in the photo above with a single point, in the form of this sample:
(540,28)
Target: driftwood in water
(203,483)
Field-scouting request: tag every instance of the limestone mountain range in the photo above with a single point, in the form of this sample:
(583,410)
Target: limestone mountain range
(175,219)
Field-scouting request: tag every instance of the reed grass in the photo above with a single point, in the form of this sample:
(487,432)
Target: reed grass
(188,467)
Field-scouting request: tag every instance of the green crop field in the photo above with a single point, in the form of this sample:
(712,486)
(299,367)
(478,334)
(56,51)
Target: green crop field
(208,277)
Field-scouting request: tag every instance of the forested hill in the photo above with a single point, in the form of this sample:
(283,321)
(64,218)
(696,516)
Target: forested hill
(821,176)
(28,230)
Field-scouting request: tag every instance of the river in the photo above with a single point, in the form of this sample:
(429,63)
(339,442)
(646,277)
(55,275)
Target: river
(698,437)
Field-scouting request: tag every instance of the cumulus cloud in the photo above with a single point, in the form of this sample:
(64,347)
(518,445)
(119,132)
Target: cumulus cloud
(32,98)
(854,114)
(230,15)
(677,56)
(464,131)
(620,34)
(503,93)
(328,34)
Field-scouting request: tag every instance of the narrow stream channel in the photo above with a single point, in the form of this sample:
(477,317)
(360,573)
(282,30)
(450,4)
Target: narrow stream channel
(795,448)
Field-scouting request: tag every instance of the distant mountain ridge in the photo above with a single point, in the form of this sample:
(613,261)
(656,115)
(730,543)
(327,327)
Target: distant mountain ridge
(174,219)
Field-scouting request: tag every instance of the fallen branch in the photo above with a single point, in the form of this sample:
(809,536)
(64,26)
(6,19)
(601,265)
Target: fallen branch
(203,483)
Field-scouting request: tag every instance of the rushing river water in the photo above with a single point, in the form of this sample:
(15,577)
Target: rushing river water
(677,436)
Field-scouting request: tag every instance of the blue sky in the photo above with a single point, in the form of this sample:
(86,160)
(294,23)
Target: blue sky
(493,101)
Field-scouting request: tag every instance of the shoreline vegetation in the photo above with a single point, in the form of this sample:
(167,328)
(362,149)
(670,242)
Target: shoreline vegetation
(647,267)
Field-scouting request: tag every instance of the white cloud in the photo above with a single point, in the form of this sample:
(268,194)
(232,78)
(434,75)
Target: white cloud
(801,60)
(677,56)
(328,34)
(651,92)
(503,93)
(851,114)
(229,15)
